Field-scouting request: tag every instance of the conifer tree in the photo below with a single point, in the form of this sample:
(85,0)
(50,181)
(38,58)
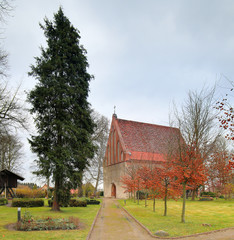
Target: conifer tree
(60,108)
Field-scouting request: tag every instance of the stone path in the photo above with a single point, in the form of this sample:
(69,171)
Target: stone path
(115,224)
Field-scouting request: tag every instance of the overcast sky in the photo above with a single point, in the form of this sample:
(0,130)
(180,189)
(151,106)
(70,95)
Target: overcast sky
(144,54)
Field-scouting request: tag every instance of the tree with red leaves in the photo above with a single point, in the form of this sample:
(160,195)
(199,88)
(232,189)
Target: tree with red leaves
(154,183)
(226,116)
(189,170)
(219,172)
(170,189)
(131,179)
(144,175)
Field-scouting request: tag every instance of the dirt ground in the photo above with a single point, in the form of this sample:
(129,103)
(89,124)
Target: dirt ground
(113,223)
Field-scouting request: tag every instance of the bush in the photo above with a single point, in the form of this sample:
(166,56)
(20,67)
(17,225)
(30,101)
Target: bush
(77,203)
(72,203)
(209,194)
(27,202)
(3,201)
(101,194)
(92,202)
(221,196)
(30,193)
(141,195)
(206,199)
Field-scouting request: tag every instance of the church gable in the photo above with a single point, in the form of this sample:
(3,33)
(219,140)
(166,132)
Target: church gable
(130,140)
(115,146)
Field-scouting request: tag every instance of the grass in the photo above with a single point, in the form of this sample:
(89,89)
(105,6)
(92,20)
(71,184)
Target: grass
(219,213)
(86,215)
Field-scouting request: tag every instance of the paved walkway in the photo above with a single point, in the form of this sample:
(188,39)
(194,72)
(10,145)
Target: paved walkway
(115,224)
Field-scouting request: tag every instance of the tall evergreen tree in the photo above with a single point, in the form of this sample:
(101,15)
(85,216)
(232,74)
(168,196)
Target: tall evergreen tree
(61,111)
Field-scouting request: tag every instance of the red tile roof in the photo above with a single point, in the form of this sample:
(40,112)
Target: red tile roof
(146,141)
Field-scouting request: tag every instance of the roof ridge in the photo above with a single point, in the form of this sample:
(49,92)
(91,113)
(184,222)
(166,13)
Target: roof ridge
(158,125)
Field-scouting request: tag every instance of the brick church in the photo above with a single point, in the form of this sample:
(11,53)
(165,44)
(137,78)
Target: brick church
(129,142)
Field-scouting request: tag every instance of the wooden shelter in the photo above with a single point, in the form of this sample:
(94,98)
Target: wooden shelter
(8,180)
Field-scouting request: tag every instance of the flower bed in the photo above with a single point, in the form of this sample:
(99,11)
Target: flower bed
(3,201)
(28,223)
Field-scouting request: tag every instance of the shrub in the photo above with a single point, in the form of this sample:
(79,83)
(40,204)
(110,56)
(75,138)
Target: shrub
(209,194)
(29,193)
(77,203)
(101,194)
(72,203)
(205,199)
(92,202)
(3,201)
(141,195)
(27,202)
(221,196)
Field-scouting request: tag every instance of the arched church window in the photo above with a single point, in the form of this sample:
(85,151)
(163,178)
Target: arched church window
(108,155)
(111,149)
(118,160)
(114,147)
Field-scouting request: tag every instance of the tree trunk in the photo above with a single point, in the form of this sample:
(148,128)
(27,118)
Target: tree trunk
(96,186)
(55,206)
(165,202)
(134,195)
(184,200)
(154,205)
(138,193)
(194,194)
(97,180)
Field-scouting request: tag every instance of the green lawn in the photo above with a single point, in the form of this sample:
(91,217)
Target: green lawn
(85,214)
(218,213)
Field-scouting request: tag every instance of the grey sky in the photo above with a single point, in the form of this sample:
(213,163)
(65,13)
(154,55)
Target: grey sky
(143,54)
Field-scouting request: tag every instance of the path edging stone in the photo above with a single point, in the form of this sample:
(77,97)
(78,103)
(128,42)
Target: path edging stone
(94,221)
(193,235)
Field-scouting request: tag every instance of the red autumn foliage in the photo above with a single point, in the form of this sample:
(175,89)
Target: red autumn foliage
(188,166)
(220,170)
(226,117)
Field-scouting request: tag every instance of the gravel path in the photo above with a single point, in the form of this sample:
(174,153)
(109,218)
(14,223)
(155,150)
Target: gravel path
(115,224)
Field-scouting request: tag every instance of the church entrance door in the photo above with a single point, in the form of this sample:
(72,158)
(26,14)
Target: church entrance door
(113,190)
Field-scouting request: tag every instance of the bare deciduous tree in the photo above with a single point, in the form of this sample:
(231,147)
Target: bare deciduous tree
(196,122)
(94,172)
(12,111)
(10,153)
(5,9)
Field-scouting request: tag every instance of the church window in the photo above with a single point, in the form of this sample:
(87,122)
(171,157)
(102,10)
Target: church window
(111,149)
(108,155)
(118,160)
(114,147)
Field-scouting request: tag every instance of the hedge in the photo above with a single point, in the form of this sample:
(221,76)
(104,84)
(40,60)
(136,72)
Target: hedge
(92,202)
(27,202)
(205,199)
(77,203)
(3,201)
(208,194)
(29,193)
(72,203)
